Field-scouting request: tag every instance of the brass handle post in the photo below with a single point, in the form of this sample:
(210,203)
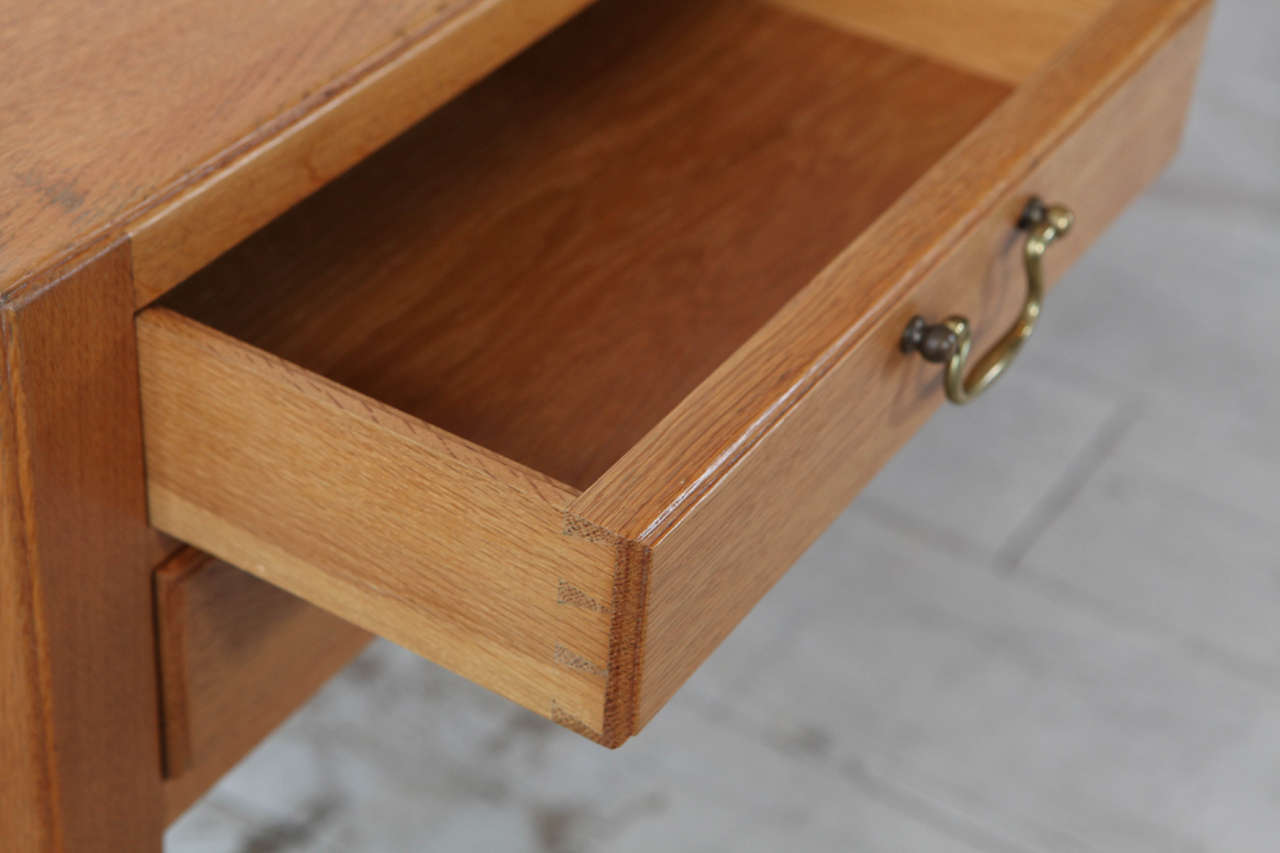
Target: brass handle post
(950,341)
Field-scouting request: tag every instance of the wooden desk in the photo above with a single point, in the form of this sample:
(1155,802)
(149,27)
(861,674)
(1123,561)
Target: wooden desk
(550,389)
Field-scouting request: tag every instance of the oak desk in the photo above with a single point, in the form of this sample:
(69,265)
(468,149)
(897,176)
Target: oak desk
(322,319)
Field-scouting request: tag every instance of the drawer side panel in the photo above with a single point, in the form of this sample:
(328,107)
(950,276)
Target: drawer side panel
(402,529)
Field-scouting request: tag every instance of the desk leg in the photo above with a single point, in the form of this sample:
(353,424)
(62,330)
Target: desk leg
(79,747)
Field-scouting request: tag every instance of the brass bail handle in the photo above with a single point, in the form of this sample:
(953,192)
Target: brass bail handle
(951,340)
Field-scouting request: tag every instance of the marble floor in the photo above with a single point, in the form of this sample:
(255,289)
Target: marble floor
(1051,624)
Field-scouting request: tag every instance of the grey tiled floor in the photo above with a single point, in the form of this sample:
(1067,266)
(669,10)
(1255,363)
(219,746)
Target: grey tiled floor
(1051,624)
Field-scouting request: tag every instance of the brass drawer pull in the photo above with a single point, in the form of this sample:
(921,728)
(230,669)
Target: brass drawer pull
(950,340)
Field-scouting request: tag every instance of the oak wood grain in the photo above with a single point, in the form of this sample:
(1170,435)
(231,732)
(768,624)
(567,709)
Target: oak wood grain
(179,95)
(681,458)
(706,509)
(405,530)
(237,657)
(710,568)
(726,385)
(464,40)
(830,444)
(78,743)
(1007,40)
(680,171)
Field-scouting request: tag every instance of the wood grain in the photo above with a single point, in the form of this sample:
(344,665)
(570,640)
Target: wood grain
(705,510)
(434,543)
(464,40)
(1006,40)
(689,176)
(78,744)
(511,287)
(681,458)
(179,94)
(709,569)
(237,657)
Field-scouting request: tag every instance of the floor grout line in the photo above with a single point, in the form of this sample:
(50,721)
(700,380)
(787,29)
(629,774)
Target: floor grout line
(921,530)
(1226,662)
(1009,556)
(946,818)
(949,542)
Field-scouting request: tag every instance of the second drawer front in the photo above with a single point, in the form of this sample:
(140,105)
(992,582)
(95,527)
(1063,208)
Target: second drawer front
(237,657)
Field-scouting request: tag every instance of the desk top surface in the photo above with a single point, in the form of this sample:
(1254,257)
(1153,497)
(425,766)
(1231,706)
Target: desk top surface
(109,108)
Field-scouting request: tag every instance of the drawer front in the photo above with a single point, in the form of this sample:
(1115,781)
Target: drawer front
(592,607)
(714,559)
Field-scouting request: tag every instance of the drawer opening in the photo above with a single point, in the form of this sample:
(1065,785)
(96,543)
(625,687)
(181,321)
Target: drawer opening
(547,265)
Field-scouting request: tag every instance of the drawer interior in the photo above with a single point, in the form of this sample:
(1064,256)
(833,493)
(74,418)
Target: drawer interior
(547,265)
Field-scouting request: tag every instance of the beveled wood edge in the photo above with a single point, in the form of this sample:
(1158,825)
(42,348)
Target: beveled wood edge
(223,199)
(665,474)
(632,562)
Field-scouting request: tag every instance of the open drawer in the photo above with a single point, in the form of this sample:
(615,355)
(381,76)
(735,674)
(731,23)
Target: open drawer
(552,389)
